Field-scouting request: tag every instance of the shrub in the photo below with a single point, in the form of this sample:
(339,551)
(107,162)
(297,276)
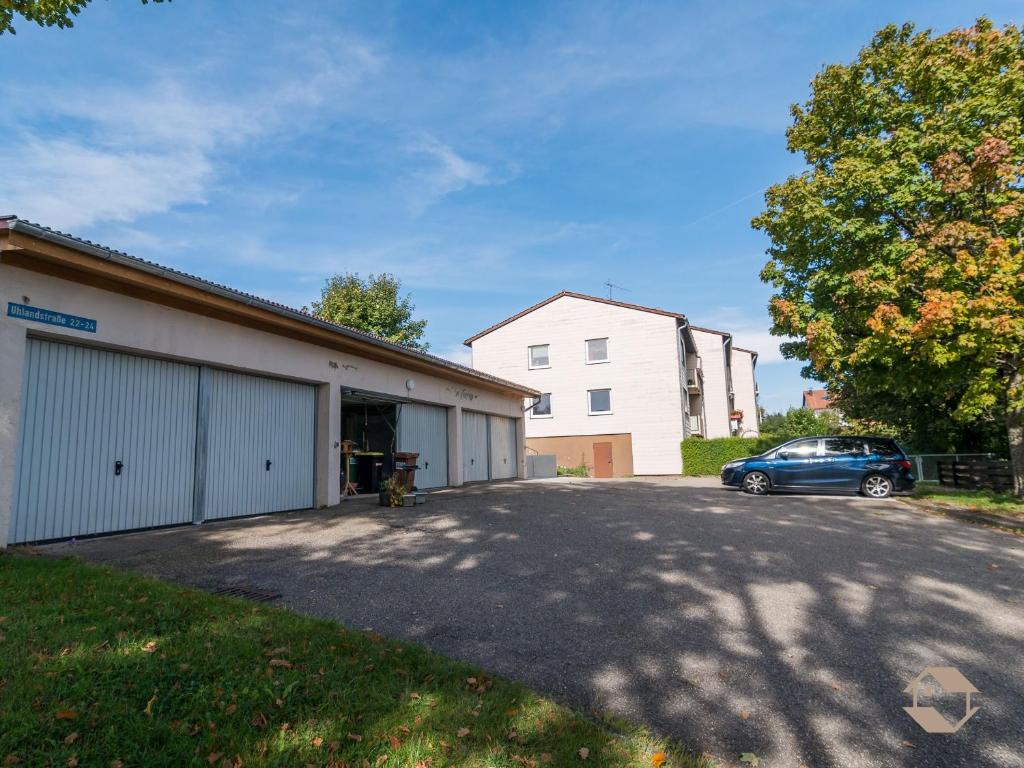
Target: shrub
(706,457)
(580,471)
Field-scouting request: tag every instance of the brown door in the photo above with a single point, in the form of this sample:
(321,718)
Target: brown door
(602,459)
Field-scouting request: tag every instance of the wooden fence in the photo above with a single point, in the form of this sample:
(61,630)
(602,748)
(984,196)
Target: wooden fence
(976,475)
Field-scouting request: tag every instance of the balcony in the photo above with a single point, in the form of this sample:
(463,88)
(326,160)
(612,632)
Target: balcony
(694,381)
(696,427)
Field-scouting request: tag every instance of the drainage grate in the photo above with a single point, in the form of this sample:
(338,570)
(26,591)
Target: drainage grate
(247,593)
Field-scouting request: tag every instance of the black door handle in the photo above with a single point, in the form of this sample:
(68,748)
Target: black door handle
(426,465)
(269,462)
(118,466)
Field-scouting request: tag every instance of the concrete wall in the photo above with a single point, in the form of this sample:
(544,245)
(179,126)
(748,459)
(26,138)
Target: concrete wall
(711,349)
(744,385)
(642,373)
(579,449)
(133,325)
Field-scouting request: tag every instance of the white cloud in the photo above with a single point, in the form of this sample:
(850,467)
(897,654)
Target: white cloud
(448,172)
(750,331)
(457,353)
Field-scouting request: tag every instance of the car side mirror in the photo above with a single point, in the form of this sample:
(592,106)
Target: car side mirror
(783,455)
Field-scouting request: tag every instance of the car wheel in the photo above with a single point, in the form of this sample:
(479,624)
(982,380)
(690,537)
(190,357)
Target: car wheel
(876,486)
(756,483)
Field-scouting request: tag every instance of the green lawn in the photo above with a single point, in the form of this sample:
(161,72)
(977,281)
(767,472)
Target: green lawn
(102,668)
(981,501)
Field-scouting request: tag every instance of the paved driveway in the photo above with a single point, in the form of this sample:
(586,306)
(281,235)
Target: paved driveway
(784,626)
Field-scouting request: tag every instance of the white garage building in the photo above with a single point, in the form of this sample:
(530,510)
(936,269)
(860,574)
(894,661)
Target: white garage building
(134,396)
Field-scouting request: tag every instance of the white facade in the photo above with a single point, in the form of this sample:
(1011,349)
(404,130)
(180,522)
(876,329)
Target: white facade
(132,318)
(645,374)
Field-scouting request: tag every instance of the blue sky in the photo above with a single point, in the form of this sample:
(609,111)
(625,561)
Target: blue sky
(490,154)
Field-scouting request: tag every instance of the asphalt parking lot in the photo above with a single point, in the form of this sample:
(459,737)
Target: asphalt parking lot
(785,626)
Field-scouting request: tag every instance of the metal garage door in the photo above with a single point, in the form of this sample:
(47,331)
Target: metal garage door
(424,429)
(474,446)
(503,448)
(86,410)
(259,445)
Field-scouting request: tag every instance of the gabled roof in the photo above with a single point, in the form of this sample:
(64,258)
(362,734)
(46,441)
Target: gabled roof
(351,336)
(817,399)
(654,310)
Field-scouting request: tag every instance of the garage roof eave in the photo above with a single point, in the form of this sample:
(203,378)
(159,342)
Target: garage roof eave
(14,224)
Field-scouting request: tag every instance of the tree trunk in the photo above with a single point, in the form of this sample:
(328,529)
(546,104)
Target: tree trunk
(1015,430)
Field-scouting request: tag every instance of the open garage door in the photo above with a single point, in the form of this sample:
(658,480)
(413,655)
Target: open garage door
(504,463)
(259,445)
(424,429)
(474,447)
(107,443)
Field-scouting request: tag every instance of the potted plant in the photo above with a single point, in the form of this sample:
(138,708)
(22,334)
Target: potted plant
(390,493)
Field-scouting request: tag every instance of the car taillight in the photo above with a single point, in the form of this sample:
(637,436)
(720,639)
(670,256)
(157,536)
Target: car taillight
(904,464)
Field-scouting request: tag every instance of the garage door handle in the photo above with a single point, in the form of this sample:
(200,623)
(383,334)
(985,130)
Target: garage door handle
(118,466)
(426,465)
(269,462)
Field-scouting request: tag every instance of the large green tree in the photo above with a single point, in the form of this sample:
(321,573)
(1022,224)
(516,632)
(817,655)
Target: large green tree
(896,256)
(45,13)
(374,305)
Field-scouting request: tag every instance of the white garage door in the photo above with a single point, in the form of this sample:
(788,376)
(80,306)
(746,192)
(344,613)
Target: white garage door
(503,448)
(474,446)
(259,446)
(424,429)
(107,443)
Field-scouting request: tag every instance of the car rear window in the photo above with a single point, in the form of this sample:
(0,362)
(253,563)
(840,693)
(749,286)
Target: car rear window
(887,449)
(844,446)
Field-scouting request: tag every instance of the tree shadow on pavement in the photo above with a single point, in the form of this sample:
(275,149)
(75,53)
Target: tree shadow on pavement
(786,626)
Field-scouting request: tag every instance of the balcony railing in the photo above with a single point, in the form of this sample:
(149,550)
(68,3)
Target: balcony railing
(693,381)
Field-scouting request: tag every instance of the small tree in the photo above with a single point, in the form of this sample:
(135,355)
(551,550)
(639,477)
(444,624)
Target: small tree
(45,13)
(373,305)
(897,256)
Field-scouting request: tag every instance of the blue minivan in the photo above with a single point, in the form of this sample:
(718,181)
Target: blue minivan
(875,466)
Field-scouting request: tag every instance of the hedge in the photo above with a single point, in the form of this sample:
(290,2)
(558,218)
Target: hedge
(706,457)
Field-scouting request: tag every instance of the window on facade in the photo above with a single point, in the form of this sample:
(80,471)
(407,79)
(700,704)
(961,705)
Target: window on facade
(542,409)
(539,356)
(600,401)
(844,446)
(597,350)
(802,449)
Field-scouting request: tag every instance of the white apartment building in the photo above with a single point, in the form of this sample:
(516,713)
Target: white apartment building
(622,384)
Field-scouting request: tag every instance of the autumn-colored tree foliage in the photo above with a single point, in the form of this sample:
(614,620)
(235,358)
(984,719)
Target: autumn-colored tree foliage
(896,256)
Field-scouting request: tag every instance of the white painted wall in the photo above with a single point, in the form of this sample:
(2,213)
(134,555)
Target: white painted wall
(711,349)
(134,325)
(643,374)
(744,386)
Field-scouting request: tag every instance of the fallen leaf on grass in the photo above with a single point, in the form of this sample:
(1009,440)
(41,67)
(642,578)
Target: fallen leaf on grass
(230,709)
(71,738)
(657,759)
(316,741)
(462,732)
(67,714)
(116,764)
(281,663)
(149,706)
(751,758)
(584,753)
(72,761)
(213,757)
(354,737)
(149,647)
(395,742)
(259,720)
(414,696)
(12,759)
